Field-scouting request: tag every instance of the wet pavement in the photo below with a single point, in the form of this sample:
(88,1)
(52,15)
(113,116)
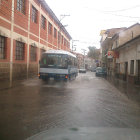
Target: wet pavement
(130,90)
(88,101)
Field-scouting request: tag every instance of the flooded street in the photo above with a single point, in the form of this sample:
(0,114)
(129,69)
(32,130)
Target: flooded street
(88,101)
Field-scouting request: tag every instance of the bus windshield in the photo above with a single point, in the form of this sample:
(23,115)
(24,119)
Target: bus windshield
(54,61)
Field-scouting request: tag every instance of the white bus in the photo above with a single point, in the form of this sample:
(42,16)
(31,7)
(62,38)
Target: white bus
(58,64)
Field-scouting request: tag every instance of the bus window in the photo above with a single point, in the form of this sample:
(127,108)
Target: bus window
(54,61)
(44,61)
(69,61)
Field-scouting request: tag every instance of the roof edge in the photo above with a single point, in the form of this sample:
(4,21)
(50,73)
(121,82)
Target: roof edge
(51,13)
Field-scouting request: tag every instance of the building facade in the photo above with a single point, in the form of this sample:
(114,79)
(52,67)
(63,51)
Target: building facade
(106,46)
(27,28)
(89,63)
(122,51)
(127,44)
(80,59)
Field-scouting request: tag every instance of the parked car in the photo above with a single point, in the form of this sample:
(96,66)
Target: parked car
(93,69)
(101,71)
(82,70)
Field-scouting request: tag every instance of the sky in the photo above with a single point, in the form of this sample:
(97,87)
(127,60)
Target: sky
(88,17)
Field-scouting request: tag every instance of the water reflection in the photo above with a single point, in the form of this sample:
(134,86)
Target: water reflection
(130,90)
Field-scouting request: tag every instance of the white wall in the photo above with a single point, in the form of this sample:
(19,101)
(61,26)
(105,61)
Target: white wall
(126,55)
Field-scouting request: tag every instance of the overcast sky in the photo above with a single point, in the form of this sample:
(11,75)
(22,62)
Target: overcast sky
(88,17)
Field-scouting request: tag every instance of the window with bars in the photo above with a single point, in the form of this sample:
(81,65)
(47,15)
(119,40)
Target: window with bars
(62,40)
(19,51)
(2,48)
(59,35)
(21,6)
(34,14)
(33,53)
(55,32)
(66,43)
(43,22)
(50,28)
(132,67)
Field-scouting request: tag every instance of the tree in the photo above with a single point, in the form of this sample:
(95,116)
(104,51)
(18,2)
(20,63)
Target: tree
(93,52)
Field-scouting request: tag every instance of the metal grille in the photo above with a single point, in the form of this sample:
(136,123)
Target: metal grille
(21,6)
(2,47)
(43,22)
(55,33)
(64,42)
(138,65)
(33,53)
(59,37)
(34,14)
(62,39)
(132,67)
(50,28)
(19,51)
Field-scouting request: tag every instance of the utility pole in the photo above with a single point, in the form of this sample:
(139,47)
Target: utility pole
(63,16)
(73,45)
(84,51)
(60,28)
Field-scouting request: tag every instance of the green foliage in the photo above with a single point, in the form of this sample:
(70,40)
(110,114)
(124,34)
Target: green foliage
(93,52)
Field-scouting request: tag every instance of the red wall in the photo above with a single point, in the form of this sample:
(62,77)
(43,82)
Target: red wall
(5,24)
(20,31)
(19,18)
(5,9)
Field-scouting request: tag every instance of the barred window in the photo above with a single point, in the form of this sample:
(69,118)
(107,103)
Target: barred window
(19,51)
(2,48)
(34,14)
(33,53)
(132,67)
(43,22)
(55,32)
(62,40)
(50,28)
(66,43)
(59,35)
(21,6)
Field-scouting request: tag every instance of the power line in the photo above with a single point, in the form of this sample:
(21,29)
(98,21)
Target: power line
(120,15)
(121,10)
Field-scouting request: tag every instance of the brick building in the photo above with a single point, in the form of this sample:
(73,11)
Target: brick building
(27,28)
(80,59)
(89,63)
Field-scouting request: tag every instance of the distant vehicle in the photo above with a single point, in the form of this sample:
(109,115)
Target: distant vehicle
(101,71)
(82,70)
(58,64)
(93,69)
